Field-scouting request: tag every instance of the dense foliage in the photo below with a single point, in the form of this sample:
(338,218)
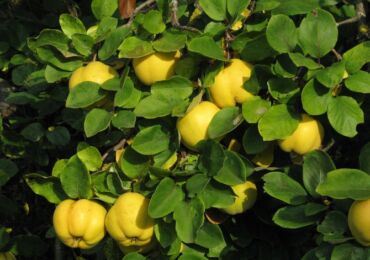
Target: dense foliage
(97,141)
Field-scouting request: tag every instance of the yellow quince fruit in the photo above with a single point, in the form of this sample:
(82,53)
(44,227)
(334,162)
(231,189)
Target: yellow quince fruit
(193,126)
(246,195)
(155,67)
(359,221)
(79,223)
(227,89)
(307,137)
(95,71)
(128,221)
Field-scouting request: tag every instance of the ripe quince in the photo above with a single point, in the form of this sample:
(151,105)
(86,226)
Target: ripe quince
(307,137)
(246,195)
(95,71)
(227,89)
(128,221)
(193,126)
(359,221)
(79,223)
(155,67)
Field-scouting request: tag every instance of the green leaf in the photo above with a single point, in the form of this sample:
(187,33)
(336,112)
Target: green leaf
(363,159)
(28,246)
(103,8)
(83,43)
(112,42)
(196,184)
(252,141)
(53,75)
(153,22)
(254,109)
(133,164)
(165,233)
(284,67)
(8,169)
(170,41)
(21,98)
(312,208)
(192,255)
(59,136)
(266,5)
(280,186)
(84,95)
(71,24)
(236,7)
(209,236)
(207,47)
(292,7)
(90,156)
(344,114)
(151,140)
(211,157)
(357,57)
(50,37)
(52,57)
(315,98)
(224,121)
(349,251)
(124,119)
(105,27)
(257,49)
(128,96)
(359,82)
(318,27)
(301,61)
(283,90)
(217,195)
(134,256)
(293,217)
(346,184)
(316,165)
(48,187)
(189,217)
(281,33)
(134,47)
(33,132)
(278,115)
(333,226)
(75,179)
(165,198)
(331,76)
(176,87)
(58,167)
(97,120)
(233,170)
(215,9)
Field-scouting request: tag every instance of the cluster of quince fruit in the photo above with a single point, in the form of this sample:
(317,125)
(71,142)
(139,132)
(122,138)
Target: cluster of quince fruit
(83,223)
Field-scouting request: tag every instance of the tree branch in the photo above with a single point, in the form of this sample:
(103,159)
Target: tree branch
(116,147)
(337,54)
(138,10)
(360,15)
(175,20)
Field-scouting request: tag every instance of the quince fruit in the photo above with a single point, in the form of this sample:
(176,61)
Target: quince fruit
(95,71)
(227,89)
(79,224)
(128,221)
(194,125)
(306,138)
(246,195)
(155,67)
(359,221)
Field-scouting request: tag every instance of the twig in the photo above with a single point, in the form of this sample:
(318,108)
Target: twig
(337,54)
(329,145)
(116,147)
(138,10)
(360,15)
(175,21)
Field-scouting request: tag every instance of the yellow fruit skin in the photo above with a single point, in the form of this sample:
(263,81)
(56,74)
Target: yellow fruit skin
(128,221)
(227,89)
(307,137)
(359,221)
(194,125)
(7,256)
(155,67)
(79,224)
(246,195)
(95,71)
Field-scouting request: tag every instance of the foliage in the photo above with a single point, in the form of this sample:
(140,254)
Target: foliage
(58,144)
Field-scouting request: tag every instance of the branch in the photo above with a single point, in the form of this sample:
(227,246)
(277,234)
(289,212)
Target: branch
(175,20)
(337,54)
(116,147)
(360,15)
(138,10)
